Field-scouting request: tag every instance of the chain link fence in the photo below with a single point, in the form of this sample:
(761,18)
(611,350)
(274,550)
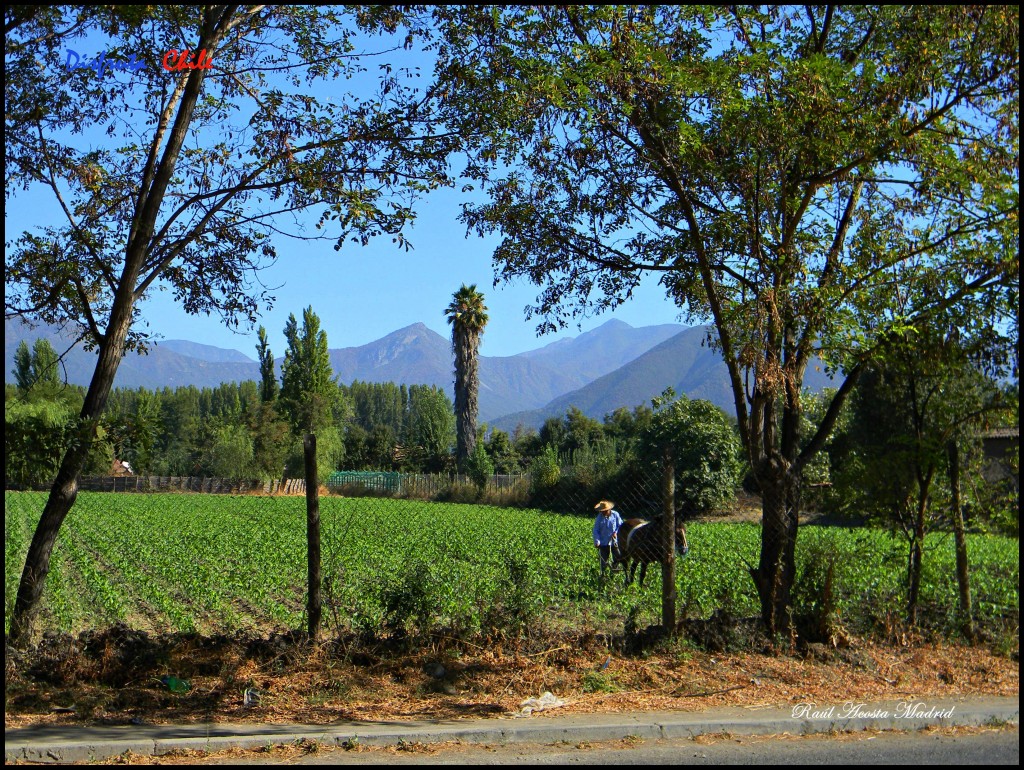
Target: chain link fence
(401,554)
(412,555)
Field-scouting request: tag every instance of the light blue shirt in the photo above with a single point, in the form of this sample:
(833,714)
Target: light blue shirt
(605,527)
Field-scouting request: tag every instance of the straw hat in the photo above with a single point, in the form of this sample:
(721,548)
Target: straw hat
(604,505)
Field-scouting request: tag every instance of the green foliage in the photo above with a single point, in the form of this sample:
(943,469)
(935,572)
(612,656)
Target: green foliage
(581,432)
(704,446)
(189,177)
(270,439)
(904,413)
(35,438)
(467,311)
(23,376)
(218,204)
(39,428)
(37,372)
(994,504)
(599,681)
(920,404)
(268,379)
(479,466)
(820,493)
(431,428)
(308,392)
(815,591)
(330,451)
(545,471)
(503,453)
(231,453)
(133,425)
(409,603)
(813,182)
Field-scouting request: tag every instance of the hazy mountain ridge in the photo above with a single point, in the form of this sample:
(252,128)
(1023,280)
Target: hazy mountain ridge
(206,352)
(416,354)
(412,355)
(686,362)
(604,349)
(163,366)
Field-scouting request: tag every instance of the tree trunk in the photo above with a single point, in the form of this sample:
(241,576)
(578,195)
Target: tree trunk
(776,571)
(65,487)
(37,561)
(960,538)
(916,559)
(466,389)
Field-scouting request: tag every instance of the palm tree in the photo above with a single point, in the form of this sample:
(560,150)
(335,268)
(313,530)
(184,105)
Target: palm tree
(468,316)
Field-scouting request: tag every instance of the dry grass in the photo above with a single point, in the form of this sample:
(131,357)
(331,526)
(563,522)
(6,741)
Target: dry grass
(113,677)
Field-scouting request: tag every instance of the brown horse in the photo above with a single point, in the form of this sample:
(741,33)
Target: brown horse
(639,544)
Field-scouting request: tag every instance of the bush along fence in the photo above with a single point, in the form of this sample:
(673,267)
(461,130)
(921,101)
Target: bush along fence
(379,483)
(514,489)
(418,486)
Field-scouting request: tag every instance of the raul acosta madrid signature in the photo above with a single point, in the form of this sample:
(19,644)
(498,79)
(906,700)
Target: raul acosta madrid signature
(851,710)
(172,61)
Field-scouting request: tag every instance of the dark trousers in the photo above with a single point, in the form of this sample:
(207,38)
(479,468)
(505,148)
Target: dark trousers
(606,553)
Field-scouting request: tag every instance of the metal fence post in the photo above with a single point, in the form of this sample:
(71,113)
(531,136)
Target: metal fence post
(668,538)
(313,605)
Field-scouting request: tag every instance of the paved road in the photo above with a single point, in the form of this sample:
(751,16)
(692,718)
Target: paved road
(72,743)
(992,747)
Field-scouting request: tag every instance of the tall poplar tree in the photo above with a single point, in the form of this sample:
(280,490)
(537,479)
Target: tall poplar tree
(268,379)
(37,370)
(308,391)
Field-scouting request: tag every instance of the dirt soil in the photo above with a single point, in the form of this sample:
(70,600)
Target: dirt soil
(123,676)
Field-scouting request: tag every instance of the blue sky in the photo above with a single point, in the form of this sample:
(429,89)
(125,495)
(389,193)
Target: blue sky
(363,293)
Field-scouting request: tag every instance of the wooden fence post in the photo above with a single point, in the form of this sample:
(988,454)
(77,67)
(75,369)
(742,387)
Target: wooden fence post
(668,543)
(313,607)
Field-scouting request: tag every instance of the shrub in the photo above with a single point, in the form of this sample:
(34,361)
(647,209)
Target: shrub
(705,450)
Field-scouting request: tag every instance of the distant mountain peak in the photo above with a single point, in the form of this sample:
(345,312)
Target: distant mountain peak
(418,329)
(614,323)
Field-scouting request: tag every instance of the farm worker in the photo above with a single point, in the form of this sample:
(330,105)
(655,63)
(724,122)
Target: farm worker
(606,529)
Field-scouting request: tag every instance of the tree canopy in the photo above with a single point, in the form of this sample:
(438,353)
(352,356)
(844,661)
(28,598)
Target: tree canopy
(180,177)
(815,181)
(704,447)
(308,390)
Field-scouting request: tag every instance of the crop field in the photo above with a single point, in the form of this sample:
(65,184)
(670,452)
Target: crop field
(214,563)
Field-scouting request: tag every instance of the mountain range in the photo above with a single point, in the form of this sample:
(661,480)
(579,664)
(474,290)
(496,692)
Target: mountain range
(614,365)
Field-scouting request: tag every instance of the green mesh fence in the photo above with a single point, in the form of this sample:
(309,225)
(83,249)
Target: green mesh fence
(379,481)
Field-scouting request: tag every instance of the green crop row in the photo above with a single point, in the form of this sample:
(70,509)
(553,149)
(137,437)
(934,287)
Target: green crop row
(206,562)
